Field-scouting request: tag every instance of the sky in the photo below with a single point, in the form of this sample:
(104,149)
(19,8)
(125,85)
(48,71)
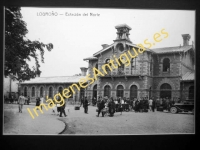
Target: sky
(78,37)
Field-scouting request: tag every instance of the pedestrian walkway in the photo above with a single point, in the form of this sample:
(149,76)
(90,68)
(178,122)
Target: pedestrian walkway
(16,123)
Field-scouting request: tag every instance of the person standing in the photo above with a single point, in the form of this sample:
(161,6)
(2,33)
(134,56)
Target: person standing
(150,104)
(28,100)
(98,101)
(12,99)
(21,101)
(62,108)
(167,104)
(42,101)
(94,101)
(141,105)
(153,104)
(131,104)
(137,103)
(146,104)
(101,106)
(122,103)
(111,106)
(85,105)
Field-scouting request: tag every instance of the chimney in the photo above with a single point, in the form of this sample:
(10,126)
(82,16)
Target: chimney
(104,45)
(83,71)
(186,38)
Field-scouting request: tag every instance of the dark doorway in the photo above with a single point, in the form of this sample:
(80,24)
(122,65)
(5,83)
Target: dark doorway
(133,92)
(95,91)
(120,91)
(107,90)
(165,91)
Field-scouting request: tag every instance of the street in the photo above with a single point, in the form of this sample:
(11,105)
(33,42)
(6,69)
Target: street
(79,123)
(128,123)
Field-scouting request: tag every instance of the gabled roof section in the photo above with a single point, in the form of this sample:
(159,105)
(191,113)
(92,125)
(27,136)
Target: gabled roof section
(172,49)
(189,76)
(103,50)
(91,58)
(50,80)
(134,45)
(130,44)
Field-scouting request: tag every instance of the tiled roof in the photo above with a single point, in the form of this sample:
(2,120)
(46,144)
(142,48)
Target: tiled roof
(61,79)
(189,76)
(172,49)
(91,58)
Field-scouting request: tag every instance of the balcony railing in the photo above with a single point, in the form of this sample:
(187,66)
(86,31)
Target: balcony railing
(120,72)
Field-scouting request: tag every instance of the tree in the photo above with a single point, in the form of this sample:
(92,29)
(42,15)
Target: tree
(19,49)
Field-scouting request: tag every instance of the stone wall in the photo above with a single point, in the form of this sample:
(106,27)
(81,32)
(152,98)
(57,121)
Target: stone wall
(185,89)
(46,87)
(175,64)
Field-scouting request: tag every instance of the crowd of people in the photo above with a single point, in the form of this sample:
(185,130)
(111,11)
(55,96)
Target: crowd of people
(110,105)
(143,104)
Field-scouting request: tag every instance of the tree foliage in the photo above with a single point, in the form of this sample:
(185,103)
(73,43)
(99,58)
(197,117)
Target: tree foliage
(19,49)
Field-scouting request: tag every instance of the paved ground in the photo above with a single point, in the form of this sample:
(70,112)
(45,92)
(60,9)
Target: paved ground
(79,123)
(16,123)
(128,123)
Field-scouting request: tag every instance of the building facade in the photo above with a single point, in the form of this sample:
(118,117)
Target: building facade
(161,72)
(49,86)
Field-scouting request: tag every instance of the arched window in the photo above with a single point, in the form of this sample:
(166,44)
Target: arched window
(25,91)
(133,65)
(191,92)
(107,68)
(33,91)
(120,91)
(96,66)
(165,91)
(120,47)
(41,91)
(107,90)
(50,92)
(133,91)
(166,65)
(60,89)
(95,91)
(120,68)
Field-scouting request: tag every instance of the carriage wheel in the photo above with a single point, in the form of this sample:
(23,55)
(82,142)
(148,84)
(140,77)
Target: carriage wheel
(173,110)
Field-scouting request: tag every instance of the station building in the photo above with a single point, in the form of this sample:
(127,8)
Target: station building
(160,72)
(49,86)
